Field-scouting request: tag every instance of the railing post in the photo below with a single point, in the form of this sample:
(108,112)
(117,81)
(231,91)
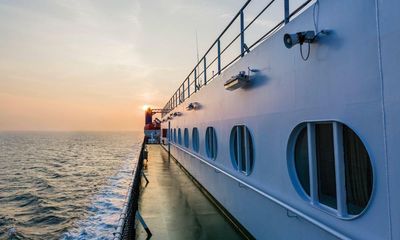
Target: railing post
(219,55)
(286,11)
(195,79)
(205,70)
(188,80)
(242,49)
(183,91)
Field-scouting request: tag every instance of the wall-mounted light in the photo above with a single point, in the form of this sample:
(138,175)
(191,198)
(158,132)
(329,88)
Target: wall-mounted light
(298,38)
(237,81)
(193,106)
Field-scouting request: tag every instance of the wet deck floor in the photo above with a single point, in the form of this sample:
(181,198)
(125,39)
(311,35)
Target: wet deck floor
(174,207)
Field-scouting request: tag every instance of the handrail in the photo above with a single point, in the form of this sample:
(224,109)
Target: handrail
(184,90)
(126,223)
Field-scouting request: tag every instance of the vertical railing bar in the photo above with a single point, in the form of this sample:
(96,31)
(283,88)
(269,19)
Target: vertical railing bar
(242,49)
(312,162)
(205,70)
(179,96)
(188,87)
(195,80)
(183,91)
(286,8)
(219,56)
(339,169)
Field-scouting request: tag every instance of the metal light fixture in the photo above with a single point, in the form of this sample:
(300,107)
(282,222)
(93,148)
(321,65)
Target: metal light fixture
(237,81)
(193,106)
(298,38)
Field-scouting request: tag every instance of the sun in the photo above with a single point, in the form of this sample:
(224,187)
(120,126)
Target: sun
(145,107)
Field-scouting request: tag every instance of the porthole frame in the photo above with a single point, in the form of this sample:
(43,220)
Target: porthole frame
(290,152)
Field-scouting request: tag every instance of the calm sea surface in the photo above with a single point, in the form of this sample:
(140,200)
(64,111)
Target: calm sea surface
(64,185)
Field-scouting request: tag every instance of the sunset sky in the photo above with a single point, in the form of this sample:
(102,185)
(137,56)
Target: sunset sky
(93,64)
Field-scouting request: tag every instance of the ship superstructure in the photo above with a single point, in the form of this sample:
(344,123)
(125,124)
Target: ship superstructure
(296,135)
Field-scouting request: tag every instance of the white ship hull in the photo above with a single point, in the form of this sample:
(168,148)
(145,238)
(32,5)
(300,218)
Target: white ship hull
(352,76)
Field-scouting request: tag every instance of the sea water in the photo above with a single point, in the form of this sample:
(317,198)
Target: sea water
(68,185)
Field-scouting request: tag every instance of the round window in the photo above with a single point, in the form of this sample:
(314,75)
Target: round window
(179,136)
(211,143)
(195,139)
(241,148)
(174,135)
(186,137)
(340,163)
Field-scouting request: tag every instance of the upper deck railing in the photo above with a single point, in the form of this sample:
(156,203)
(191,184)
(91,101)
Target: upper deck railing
(212,63)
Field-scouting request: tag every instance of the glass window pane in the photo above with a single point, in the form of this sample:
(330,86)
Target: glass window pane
(325,165)
(241,145)
(195,139)
(175,135)
(301,160)
(358,172)
(179,136)
(211,143)
(186,137)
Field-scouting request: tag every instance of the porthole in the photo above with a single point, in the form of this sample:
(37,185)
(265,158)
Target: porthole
(186,137)
(241,148)
(211,143)
(332,167)
(174,135)
(195,139)
(179,136)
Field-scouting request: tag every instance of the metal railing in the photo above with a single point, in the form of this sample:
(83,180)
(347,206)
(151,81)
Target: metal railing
(200,74)
(126,224)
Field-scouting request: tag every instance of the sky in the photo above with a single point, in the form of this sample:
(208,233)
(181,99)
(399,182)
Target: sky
(91,65)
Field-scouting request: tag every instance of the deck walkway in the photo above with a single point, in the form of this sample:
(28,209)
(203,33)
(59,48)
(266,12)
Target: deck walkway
(174,207)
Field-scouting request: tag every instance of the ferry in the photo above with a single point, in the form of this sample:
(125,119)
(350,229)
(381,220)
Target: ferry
(296,135)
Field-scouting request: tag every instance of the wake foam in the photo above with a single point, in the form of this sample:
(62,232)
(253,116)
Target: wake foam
(106,207)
